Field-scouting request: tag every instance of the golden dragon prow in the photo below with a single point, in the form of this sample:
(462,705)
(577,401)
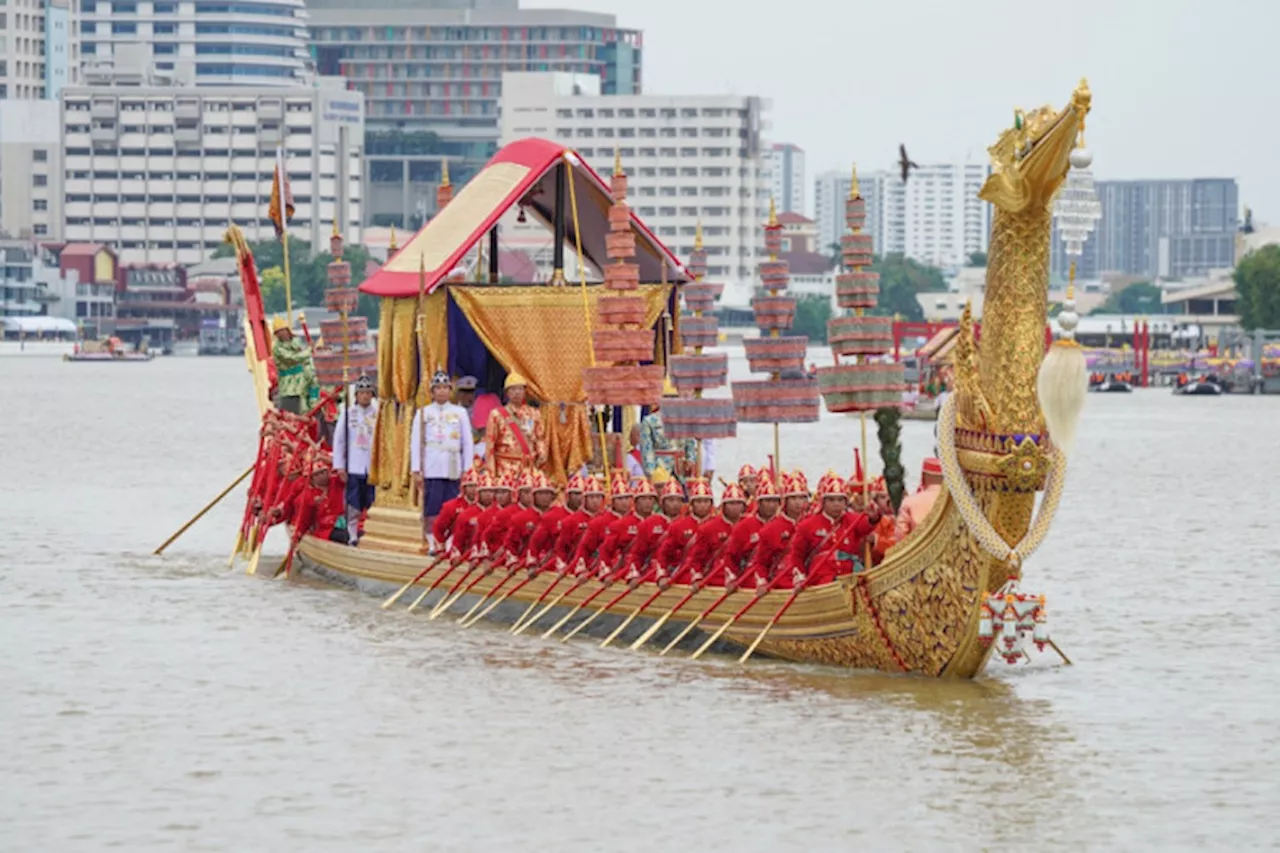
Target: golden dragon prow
(919,610)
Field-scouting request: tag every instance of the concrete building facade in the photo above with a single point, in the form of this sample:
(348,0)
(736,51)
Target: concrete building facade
(159,171)
(30,169)
(1160,229)
(39,48)
(785,163)
(431,73)
(691,159)
(205,42)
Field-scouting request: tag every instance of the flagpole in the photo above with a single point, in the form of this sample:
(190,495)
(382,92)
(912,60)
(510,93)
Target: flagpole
(282,209)
(288,290)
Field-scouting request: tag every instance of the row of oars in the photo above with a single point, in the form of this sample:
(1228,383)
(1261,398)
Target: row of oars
(485,604)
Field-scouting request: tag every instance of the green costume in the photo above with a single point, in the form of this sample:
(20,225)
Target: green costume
(653,439)
(296,372)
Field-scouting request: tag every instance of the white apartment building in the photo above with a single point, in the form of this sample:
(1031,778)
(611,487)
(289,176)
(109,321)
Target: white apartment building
(785,164)
(691,158)
(830,189)
(208,42)
(39,48)
(159,171)
(30,170)
(936,218)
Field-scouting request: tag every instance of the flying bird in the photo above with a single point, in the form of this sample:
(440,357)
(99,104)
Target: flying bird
(906,163)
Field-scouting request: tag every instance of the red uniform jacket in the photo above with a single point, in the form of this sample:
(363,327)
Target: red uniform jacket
(330,508)
(588,548)
(618,540)
(847,545)
(570,532)
(466,528)
(674,543)
(495,532)
(651,531)
(737,551)
(523,523)
(543,540)
(775,540)
(705,549)
(443,528)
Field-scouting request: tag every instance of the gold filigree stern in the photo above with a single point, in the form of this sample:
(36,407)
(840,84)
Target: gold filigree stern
(1030,159)
(974,409)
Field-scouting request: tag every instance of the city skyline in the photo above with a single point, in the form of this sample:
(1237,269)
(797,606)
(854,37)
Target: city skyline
(949,99)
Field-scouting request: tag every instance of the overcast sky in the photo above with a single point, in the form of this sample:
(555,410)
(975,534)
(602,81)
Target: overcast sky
(1182,88)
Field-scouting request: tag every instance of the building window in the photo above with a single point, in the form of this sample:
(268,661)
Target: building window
(40,229)
(40,155)
(39,180)
(39,204)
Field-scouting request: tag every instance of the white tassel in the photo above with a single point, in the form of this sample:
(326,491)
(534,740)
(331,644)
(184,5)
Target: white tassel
(1063,383)
(1063,386)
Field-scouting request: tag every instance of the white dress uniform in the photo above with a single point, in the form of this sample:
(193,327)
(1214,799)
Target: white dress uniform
(440,447)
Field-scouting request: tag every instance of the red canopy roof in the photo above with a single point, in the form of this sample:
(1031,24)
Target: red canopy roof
(523,170)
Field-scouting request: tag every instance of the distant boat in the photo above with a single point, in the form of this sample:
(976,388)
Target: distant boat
(1199,388)
(108,349)
(1112,386)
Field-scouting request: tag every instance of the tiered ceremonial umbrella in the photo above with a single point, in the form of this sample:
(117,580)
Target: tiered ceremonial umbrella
(701,417)
(860,385)
(620,340)
(788,395)
(344,351)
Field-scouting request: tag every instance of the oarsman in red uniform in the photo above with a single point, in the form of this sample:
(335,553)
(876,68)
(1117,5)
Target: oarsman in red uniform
(542,541)
(748,479)
(322,504)
(625,530)
(729,568)
(711,537)
(651,533)
(775,537)
(292,485)
(846,550)
(815,533)
(574,527)
(525,522)
(681,532)
(468,525)
(494,527)
(587,550)
(452,508)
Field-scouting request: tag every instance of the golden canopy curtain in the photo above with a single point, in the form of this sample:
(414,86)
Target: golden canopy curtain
(540,332)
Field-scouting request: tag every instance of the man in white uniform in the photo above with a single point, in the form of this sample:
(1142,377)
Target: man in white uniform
(352,449)
(440,450)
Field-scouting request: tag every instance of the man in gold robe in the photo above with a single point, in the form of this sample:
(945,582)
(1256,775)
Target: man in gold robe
(513,438)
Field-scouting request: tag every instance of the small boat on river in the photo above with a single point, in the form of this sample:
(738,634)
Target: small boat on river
(108,350)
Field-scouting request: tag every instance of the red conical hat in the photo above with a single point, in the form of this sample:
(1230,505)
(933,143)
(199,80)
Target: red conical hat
(620,488)
(700,489)
(831,486)
(767,488)
(672,490)
(733,492)
(746,472)
(797,484)
(575,484)
(592,486)
(641,487)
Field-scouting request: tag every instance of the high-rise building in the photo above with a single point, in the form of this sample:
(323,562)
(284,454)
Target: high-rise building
(431,73)
(1160,228)
(158,171)
(830,189)
(785,164)
(691,159)
(30,169)
(208,42)
(39,49)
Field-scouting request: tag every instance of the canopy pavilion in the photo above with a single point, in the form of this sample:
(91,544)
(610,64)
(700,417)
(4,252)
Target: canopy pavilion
(432,317)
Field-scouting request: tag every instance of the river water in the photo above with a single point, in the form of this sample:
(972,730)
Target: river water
(168,703)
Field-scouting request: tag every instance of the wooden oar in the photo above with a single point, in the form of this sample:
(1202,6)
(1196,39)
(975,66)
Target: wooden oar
(210,505)
(769,626)
(590,598)
(402,590)
(756,599)
(703,615)
(448,571)
(520,622)
(448,597)
(653,629)
(482,599)
(634,613)
(517,632)
(252,568)
(440,610)
(500,599)
(235,551)
(585,622)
